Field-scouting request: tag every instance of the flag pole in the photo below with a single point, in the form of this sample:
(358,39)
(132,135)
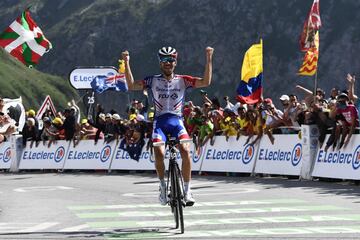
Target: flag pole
(315,83)
(262,52)
(317,64)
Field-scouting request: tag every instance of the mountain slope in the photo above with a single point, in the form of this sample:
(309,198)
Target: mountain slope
(88,33)
(18,80)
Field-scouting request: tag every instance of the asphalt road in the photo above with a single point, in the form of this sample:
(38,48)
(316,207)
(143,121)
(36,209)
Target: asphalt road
(124,206)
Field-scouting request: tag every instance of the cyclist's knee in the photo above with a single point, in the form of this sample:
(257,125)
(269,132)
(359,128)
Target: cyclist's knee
(185,153)
(184,148)
(159,153)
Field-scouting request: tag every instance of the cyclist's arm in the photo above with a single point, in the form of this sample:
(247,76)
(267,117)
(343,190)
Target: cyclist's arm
(206,80)
(132,85)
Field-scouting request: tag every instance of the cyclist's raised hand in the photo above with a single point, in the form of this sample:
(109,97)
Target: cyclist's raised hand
(209,53)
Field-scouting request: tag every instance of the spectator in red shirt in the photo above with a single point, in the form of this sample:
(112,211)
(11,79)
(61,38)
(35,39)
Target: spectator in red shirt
(349,118)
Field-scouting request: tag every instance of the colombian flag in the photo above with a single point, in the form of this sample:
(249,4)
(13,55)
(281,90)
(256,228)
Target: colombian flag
(250,88)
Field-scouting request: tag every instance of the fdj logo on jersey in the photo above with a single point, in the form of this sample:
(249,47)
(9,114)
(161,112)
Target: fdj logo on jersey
(105,153)
(59,154)
(296,154)
(6,155)
(248,154)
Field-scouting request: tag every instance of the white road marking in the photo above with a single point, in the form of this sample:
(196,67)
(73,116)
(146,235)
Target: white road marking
(200,204)
(75,228)
(38,227)
(42,188)
(200,192)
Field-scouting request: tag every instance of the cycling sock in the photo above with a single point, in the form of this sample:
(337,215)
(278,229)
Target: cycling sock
(187,186)
(162,182)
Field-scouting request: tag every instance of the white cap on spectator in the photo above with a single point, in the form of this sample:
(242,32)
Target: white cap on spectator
(140,118)
(116,116)
(102,116)
(31,121)
(46,119)
(284,98)
(108,115)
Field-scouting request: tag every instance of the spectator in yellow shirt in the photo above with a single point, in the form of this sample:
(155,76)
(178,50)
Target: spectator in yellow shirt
(241,122)
(228,124)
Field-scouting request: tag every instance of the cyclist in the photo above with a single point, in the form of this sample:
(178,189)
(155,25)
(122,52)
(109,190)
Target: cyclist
(167,91)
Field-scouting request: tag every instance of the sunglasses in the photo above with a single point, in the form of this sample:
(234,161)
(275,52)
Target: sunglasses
(167,59)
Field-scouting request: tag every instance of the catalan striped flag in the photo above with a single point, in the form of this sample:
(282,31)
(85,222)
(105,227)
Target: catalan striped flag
(309,66)
(250,87)
(309,41)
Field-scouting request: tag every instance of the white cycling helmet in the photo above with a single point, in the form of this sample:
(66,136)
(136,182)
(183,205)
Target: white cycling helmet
(167,52)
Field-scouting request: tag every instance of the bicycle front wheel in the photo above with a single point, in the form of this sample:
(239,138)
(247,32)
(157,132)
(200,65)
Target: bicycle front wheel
(179,199)
(173,196)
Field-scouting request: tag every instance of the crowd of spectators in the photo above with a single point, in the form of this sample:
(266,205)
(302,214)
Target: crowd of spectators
(336,114)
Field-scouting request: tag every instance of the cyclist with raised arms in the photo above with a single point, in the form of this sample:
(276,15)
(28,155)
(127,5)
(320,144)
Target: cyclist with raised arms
(167,91)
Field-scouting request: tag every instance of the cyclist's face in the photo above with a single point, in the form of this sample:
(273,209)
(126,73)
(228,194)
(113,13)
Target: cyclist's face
(167,67)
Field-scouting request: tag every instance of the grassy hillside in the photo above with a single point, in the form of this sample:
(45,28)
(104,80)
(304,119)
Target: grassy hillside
(18,80)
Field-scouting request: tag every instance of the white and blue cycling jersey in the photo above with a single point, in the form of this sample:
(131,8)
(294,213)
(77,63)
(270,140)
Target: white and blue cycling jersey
(168,97)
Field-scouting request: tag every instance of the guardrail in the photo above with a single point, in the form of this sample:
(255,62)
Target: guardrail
(290,155)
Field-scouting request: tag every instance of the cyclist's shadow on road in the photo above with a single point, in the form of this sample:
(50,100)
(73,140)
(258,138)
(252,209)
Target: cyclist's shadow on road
(126,233)
(152,232)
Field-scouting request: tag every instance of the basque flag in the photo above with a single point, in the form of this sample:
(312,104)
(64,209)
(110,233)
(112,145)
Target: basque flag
(250,87)
(24,40)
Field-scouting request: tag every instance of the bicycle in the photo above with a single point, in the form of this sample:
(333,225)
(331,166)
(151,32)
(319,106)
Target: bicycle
(176,193)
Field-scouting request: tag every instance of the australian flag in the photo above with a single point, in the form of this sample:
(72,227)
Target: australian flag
(134,150)
(113,82)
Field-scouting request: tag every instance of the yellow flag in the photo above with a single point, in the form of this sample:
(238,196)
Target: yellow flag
(309,66)
(121,66)
(253,62)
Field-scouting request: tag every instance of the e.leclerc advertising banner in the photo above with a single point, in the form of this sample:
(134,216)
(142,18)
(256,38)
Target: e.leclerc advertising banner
(282,157)
(5,155)
(88,155)
(228,156)
(44,157)
(341,163)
